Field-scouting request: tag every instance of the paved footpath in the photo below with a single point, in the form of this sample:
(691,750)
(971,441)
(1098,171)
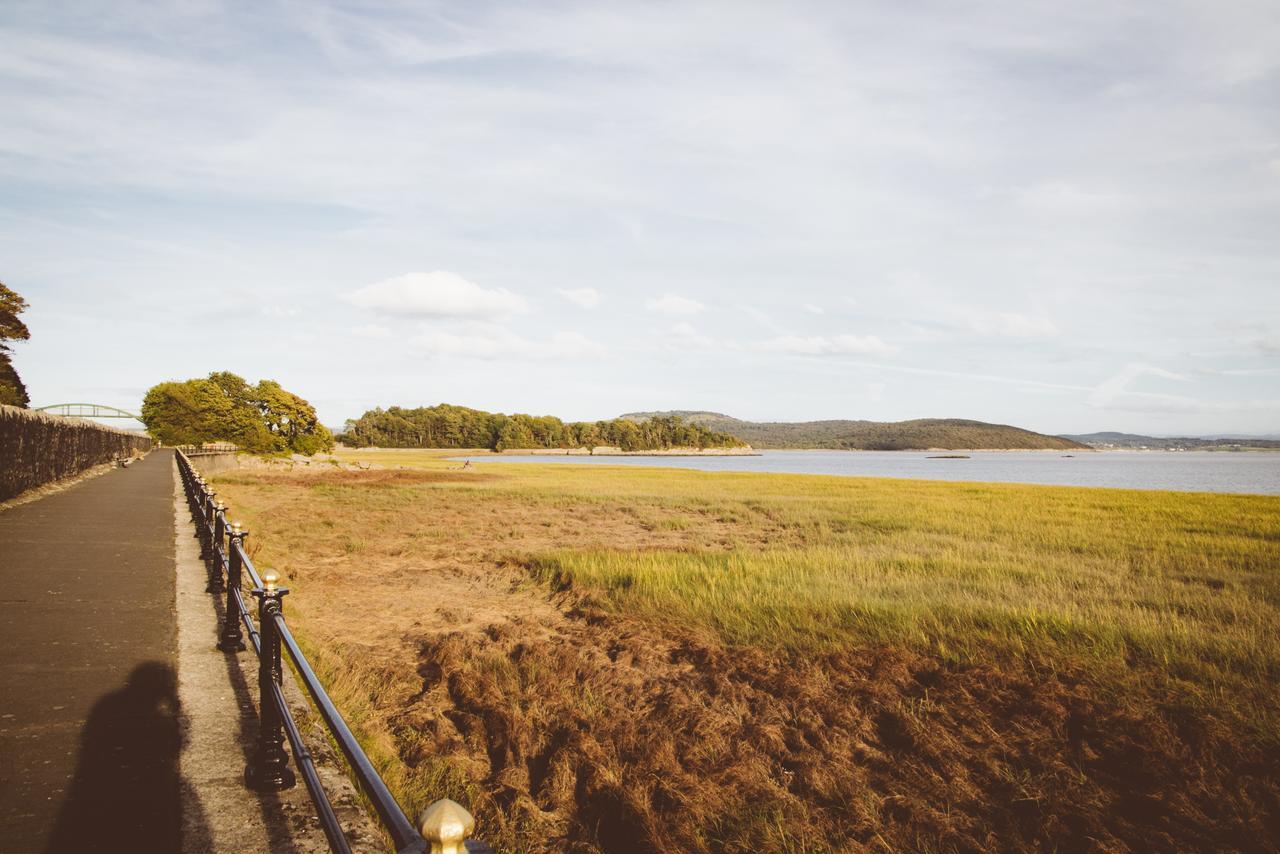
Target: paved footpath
(89,718)
(121,727)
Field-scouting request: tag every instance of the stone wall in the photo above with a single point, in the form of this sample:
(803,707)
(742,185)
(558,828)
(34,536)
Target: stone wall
(36,448)
(208,463)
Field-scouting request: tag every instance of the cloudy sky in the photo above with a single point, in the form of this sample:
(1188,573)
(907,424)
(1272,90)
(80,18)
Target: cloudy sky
(1064,216)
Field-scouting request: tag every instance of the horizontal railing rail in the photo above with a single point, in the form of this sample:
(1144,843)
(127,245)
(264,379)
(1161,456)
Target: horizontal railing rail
(444,825)
(207,448)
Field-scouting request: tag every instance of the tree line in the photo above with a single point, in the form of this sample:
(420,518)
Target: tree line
(223,407)
(447,426)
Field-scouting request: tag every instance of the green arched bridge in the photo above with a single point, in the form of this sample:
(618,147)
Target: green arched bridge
(87,410)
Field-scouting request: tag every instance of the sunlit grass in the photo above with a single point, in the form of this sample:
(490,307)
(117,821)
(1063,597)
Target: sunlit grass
(1185,586)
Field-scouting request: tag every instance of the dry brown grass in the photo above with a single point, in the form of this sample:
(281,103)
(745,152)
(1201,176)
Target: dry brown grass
(636,703)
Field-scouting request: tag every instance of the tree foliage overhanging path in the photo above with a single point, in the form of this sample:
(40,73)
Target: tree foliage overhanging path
(12,390)
(223,407)
(447,426)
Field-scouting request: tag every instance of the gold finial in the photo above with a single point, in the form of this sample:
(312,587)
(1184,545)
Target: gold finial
(221,507)
(270,578)
(235,529)
(446,825)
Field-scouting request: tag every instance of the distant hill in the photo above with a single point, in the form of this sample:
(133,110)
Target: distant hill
(919,435)
(1133,441)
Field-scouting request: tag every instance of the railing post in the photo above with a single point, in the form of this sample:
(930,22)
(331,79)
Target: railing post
(210,503)
(197,514)
(269,770)
(206,539)
(231,639)
(197,500)
(217,552)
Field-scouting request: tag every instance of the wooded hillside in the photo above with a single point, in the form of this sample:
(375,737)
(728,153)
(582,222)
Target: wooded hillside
(921,434)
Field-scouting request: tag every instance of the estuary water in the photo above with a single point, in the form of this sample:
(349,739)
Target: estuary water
(1184,471)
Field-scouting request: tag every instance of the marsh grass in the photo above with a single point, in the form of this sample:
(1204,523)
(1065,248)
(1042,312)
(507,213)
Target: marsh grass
(1164,601)
(1184,584)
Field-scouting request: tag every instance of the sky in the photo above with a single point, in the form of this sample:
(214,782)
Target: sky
(1064,216)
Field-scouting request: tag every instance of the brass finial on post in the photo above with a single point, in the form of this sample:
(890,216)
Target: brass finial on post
(446,825)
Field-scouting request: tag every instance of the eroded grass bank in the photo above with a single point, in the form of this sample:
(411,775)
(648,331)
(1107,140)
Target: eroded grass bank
(643,658)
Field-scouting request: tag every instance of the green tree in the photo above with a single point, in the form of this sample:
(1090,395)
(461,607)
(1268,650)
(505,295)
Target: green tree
(173,413)
(223,407)
(446,426)
(12,390)
(516,433)
(291,420)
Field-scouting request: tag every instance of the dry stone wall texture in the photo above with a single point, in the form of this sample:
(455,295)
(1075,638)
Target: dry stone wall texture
(36,448)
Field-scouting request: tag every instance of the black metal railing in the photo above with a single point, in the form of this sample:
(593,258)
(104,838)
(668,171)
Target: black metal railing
(443,827)
(207,448)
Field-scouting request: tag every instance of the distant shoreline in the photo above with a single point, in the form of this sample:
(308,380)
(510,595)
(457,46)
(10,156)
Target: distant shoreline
(618,452)
(1063,451)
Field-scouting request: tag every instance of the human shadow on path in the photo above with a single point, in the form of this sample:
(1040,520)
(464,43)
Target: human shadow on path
(127,791)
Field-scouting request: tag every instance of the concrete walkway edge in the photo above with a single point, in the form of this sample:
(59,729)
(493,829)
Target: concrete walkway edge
(218,695)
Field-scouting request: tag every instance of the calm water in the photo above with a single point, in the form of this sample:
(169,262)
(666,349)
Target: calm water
(1191,471)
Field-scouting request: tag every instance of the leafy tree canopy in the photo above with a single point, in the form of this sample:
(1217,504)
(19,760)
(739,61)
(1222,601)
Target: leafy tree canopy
(12,391)
(223,407)
(446,426)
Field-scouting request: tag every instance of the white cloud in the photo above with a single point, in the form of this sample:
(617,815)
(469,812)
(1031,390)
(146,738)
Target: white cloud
(1245,372)
(684,337)
(676,306)
(918,333)
(280,312)
(488,341)
(1114,391)
(875,392)
(581,297)
(571,345)
(813,309)
(821,345)
(371,330)
(435,294)
(763,318)
(1010,324)
(1061,197)
(1022,326)
(1270,346)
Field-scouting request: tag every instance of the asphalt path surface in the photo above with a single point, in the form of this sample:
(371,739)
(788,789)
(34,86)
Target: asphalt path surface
(89,716)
